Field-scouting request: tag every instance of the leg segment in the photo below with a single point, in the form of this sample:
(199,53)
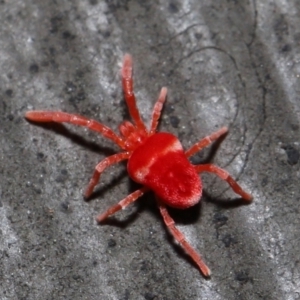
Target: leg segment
(179,237)
(225,176)
(205,142)
(157,109)
(127,83)
(122,204)
(108,161)
(61,117)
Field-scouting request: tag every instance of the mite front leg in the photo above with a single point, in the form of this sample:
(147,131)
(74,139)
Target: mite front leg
(225,176)
(106,162)
(179,237)
(127,83)
(61,117)
(157,109)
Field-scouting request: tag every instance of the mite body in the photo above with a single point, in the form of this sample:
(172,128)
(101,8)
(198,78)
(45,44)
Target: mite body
(161,165)
(156,160)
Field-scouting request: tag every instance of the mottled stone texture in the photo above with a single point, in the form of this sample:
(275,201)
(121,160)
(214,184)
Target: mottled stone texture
(225,63)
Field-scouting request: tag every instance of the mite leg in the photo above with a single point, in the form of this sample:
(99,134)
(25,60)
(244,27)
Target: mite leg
(61,117)
(225,176)
(179,237)
(127,83)
(205,142)
(106,162)
(157,109)
(122,204)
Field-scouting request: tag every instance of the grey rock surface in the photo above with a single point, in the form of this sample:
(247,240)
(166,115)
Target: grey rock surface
(225,63)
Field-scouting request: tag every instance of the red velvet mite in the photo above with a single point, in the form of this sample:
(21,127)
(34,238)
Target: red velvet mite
(157,161)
